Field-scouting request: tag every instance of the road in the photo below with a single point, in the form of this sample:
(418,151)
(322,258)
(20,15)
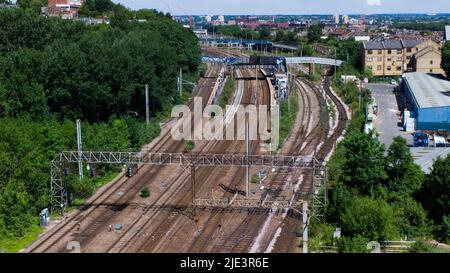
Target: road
(386,123)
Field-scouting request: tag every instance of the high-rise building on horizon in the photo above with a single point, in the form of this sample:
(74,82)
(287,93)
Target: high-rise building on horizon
(336,18)
(345,19)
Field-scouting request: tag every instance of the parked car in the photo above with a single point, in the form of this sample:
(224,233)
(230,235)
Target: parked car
(420,139)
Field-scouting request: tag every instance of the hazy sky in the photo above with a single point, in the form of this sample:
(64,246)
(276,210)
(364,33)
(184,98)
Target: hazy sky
(225,7)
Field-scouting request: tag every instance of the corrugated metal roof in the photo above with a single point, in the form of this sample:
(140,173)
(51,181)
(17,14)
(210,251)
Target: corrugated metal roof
(429,90)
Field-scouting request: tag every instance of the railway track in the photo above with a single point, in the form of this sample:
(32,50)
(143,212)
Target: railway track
(165,143)
(287,241)
(160,226)
(248,97)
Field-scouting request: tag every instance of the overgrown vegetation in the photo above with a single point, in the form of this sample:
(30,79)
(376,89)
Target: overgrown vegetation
(287,117)
(145,192)
(226,92)
(57,71)
(189,146)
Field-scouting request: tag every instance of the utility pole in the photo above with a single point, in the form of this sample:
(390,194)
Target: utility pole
(147,116)
(247,152)
(180,82)
(335,62)
(80,148)
(288,86)
(305,226)
(360,91)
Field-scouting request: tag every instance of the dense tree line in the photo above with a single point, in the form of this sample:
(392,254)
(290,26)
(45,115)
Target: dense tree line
(382,197)
(54,71)
(62,68)
(424,25)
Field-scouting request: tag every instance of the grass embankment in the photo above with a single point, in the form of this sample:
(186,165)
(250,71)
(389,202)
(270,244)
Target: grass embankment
(13,245)
(287,118)
(227,91)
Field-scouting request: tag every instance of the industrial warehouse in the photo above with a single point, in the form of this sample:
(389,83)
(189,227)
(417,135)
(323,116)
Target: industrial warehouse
(429,99)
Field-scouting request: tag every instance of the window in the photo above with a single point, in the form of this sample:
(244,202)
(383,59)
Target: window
(431,70)
(408,58)
(389,68)
(380,51)
(370,67)
(389,59)
(409,50)
(389,51)
(369,52)
(380,59)
(399,68)
(399,58)
(369,59)
(399,51)
(379,67)
(431,62)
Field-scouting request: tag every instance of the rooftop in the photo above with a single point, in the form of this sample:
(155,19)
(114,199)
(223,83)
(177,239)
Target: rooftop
(429,90)
(391,44)
(410,43)
(373,45)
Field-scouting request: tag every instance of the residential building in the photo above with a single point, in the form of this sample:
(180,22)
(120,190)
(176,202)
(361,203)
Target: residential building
(345,19)
(427,59)
(336,19)
(392,58)
(384,58)
(67,9)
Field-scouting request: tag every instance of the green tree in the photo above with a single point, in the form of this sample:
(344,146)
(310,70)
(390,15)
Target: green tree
(264,33)
(435,197)
(411,218)
(32,5)
(446,58)
(305,49)
(357,244)
(371,219)
(349,51)
(315,32)
(364,164)
(404,175)
(280,35)
(444,229)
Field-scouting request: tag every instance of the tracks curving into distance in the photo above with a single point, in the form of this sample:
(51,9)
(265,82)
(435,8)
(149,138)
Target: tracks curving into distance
(168,222)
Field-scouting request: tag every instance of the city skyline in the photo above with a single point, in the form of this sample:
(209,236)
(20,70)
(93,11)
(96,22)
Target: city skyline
(289,7)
